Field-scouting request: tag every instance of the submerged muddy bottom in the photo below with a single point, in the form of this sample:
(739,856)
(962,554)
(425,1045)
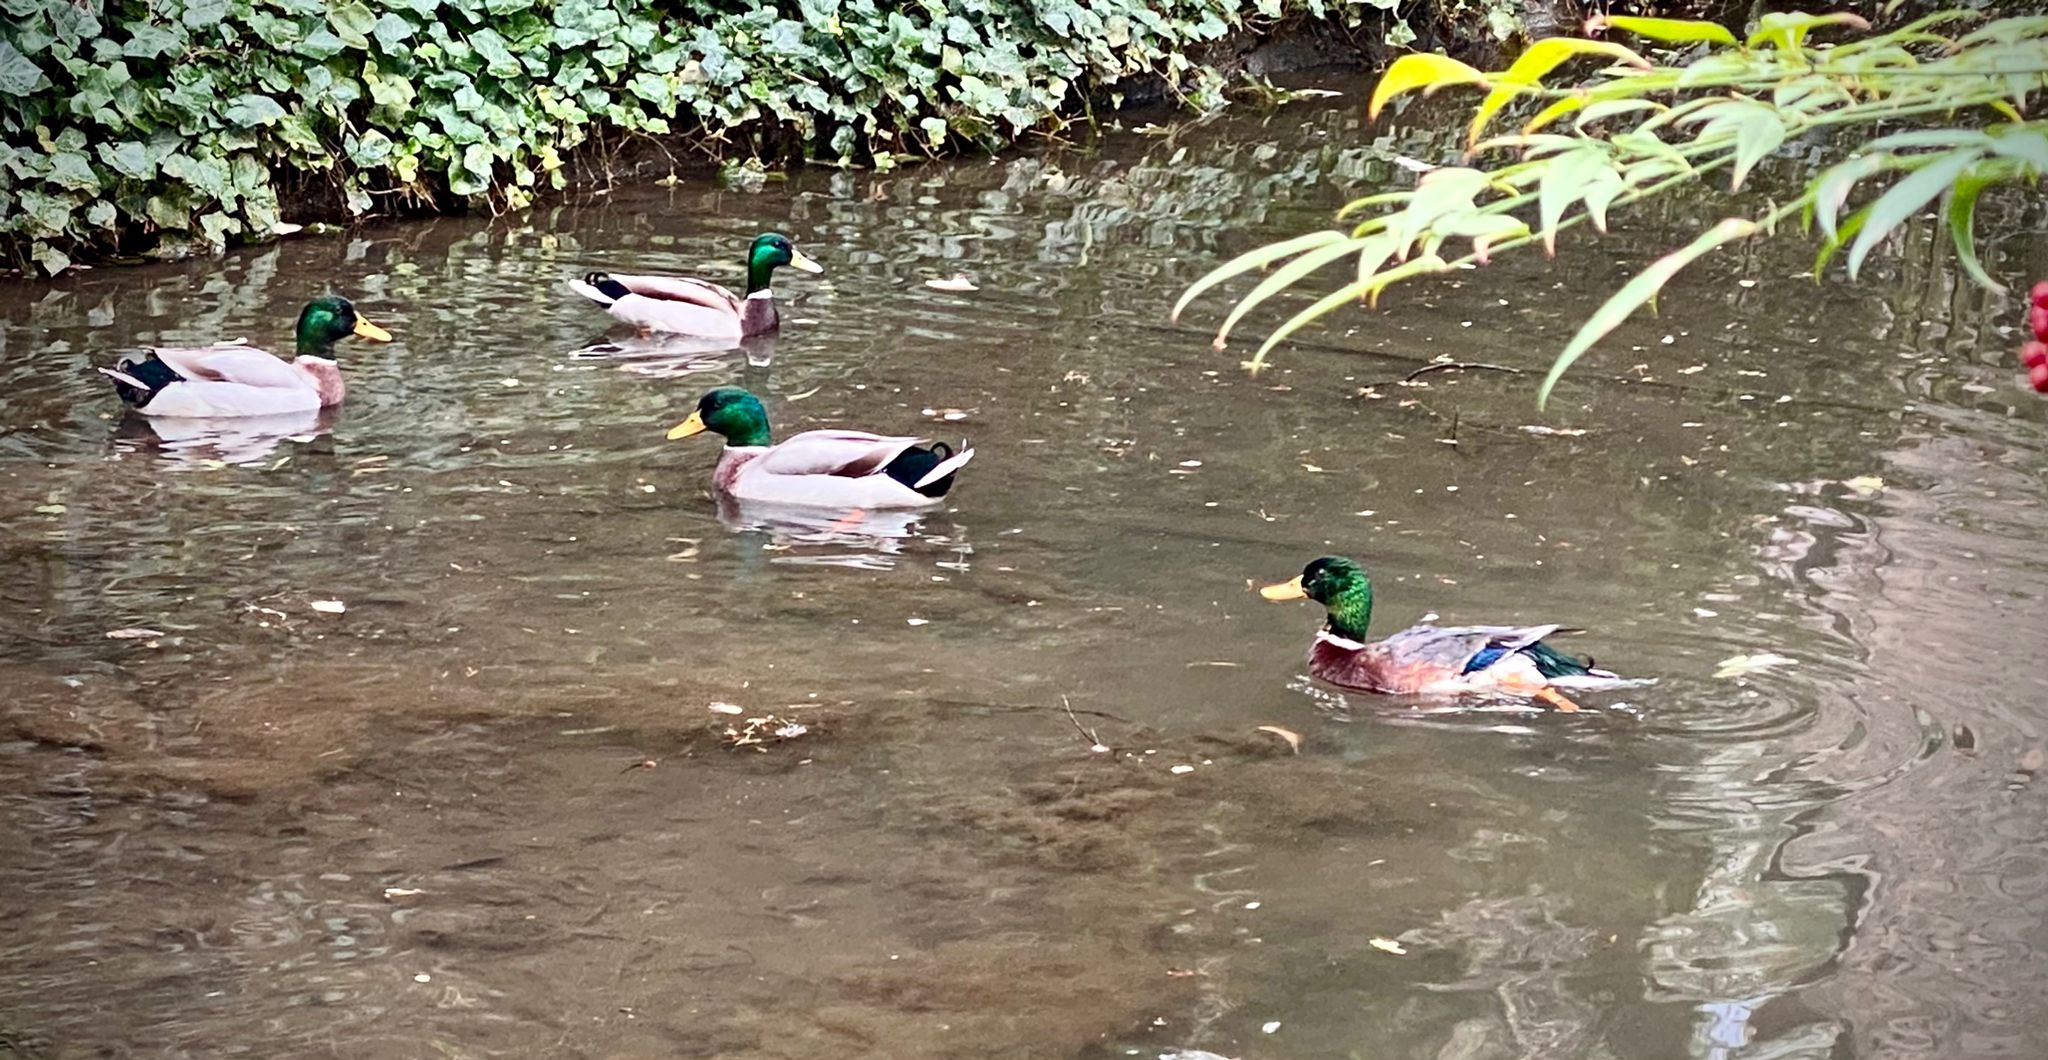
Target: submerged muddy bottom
(427,826)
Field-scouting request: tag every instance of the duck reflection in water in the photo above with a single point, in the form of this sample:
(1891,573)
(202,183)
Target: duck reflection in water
(805,535)
(675,356)
(194,442)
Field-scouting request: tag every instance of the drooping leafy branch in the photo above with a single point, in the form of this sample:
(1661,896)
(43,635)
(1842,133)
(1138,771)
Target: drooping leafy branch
(1638,129)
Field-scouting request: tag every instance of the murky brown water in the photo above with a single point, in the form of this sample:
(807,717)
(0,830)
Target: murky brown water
(414,829)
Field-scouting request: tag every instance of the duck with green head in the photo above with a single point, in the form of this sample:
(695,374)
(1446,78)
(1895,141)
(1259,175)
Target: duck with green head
(231,379)
(827,468)
(681,305)
(1430,660)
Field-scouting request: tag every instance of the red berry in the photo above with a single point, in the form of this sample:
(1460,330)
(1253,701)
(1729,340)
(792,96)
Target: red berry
(2038,317)
(2038,375)
(2039,295)
(2034,353)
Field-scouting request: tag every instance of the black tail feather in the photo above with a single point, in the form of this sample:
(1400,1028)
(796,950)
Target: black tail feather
(150,371)
(607,286)
(914,463)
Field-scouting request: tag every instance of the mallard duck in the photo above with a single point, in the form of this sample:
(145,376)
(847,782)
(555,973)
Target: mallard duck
(838,469)
(1429,659)
(684,306)
(231,379)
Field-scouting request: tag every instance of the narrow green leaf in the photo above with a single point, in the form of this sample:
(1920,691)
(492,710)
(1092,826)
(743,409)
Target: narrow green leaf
(1563,184)
(1636,292)
(1348,293)
(1671,30)
(1905,198)
(1253,259)
(1759,134)
(1831,188)
(1961,210)
(1928,138)
(1829,247)
(2028,145)
(1284,277)
(1601,191)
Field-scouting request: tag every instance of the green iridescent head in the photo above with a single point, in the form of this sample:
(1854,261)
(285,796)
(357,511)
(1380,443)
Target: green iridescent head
(771,251)
(1338,584)
(330,319)
(728,411)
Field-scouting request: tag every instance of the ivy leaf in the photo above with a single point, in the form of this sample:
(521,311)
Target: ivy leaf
(49,212)
(207,173)
(100,214)
(128,158)
(51,259)
(18,76)
(352,22)
(392,31)
(70,169)
(321,44)
(202,13)
(251,109)
(147,40)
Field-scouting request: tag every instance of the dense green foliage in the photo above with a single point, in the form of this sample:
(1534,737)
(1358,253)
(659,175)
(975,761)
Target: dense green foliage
(174,125)
(1638,129)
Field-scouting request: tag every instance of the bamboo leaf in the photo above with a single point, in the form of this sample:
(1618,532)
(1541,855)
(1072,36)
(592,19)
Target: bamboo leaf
(1537,61)
(1282,278)
(1829,247)
(1831,189)
(1905,198)
(1667,30)
(1760,133)
(1356,205)
(2006,31)
(1369,288)
(2029,146)
(1600,191)
(1961,211)
(1556,110)
(1420,70)
(1564,184)
(1636,292)
(1928,138)
(1252,259)
(1608,108)
(1787,30)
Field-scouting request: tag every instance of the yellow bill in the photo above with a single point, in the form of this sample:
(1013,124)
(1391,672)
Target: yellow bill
(693,425)
(367,330)
(797,258)
(1287,590)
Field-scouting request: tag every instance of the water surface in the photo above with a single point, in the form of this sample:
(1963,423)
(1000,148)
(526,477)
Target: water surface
(424,826)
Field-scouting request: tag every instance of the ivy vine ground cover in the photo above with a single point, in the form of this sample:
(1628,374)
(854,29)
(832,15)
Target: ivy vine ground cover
(171,126)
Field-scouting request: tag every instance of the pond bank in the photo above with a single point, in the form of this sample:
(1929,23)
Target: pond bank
(193,127)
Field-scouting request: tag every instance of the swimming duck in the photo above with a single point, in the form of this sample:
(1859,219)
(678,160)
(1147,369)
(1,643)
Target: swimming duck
(231,379)
(841,469)
(684,306)
(1429,659)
